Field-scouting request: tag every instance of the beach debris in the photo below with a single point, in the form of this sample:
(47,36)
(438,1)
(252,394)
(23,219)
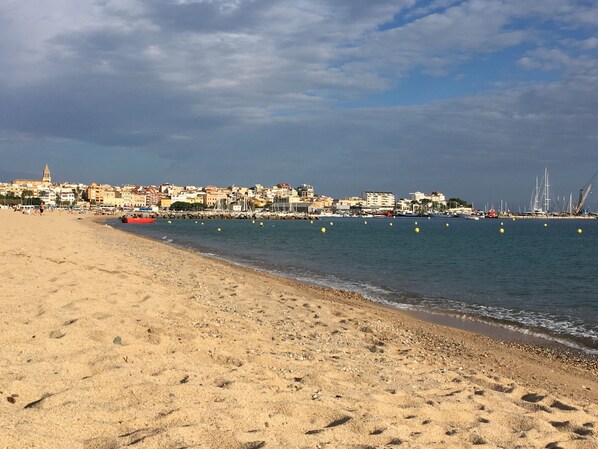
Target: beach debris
(185,379)
(38,402)
(117,340)
(532,397)
(222,383)
(11,399)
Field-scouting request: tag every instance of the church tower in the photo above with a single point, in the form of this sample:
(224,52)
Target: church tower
(46,178)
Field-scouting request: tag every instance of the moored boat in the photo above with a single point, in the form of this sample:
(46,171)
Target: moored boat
(137,220)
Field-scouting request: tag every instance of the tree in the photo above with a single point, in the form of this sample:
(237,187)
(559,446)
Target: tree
(25,195)
(426,203)
(457,202)
(184,206)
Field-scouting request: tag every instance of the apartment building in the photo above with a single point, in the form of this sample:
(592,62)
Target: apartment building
(379,200)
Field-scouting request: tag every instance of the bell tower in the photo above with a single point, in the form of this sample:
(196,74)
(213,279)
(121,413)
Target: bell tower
(46,178)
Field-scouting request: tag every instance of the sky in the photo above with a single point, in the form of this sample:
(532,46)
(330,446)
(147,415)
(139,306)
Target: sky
(473,98)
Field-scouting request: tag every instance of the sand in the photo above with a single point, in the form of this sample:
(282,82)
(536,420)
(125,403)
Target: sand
(110,340)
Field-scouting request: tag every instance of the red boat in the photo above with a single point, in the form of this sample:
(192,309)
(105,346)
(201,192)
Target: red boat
(138,220)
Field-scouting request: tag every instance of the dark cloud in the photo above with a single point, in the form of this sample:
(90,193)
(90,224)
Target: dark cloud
(252,91)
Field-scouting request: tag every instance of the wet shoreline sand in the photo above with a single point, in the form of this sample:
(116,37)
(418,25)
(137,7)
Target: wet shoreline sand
(112,340)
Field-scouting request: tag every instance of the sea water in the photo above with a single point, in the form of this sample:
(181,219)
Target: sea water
(537,276)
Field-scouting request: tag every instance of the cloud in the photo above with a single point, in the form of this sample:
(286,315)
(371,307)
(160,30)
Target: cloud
(262,87)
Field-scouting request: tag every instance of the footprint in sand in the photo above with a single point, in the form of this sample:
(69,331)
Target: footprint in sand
(583,431)
(559,405)
(532,397)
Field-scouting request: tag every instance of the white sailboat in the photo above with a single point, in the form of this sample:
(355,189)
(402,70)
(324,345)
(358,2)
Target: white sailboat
(540,201)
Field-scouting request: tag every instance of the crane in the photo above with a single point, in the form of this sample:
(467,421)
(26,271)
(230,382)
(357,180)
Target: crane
(584,192)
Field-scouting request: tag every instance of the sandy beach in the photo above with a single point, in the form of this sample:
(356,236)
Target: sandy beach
(110,340)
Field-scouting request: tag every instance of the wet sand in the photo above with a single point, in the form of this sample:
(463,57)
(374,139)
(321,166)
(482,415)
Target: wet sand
(110,340)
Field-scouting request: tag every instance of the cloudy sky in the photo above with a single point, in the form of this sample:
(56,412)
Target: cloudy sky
(472,97)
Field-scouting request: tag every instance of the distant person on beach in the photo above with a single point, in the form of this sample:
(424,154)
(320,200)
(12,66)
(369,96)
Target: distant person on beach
(41,208)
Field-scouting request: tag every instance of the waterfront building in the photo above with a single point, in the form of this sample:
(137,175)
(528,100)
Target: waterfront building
(351,201)
(132,199)
(65,197)
(48,196)
(379,200)
(94,193)
(282,190)
(112,198)
(214,197)
(305,191)
(165,203)
(434,197)
(404,205)
(152,195)
(293,204)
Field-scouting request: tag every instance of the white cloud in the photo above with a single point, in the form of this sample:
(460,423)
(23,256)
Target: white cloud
(177,77)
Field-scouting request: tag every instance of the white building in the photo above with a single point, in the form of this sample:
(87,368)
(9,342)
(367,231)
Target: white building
(48,197)
(435,197)
(379,200)
(67,197)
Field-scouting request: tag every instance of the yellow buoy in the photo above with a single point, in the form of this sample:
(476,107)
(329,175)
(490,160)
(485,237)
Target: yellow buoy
(252,221)
(219,229)
(195,222)
(501,223)
(416,223)
(365,222)
(447,225)
(502,231)
(261,224)
(202,223)
(513,218)
(323,230)
(169,221)
(311,222)
(331,223)
(389,224)
(579,231)
(545,225)
(416,230)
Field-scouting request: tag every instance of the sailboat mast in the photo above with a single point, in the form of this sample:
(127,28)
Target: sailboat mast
(546,191)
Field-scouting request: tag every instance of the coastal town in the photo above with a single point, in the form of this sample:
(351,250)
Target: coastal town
(281,198)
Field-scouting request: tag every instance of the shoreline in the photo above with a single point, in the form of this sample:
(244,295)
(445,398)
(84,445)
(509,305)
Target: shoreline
(503,336)
(477,324)
(114,339)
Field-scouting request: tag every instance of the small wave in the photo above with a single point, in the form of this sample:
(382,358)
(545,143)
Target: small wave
(566,330)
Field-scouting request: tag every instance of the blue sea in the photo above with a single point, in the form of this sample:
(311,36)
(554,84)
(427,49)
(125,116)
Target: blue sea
(538,277)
